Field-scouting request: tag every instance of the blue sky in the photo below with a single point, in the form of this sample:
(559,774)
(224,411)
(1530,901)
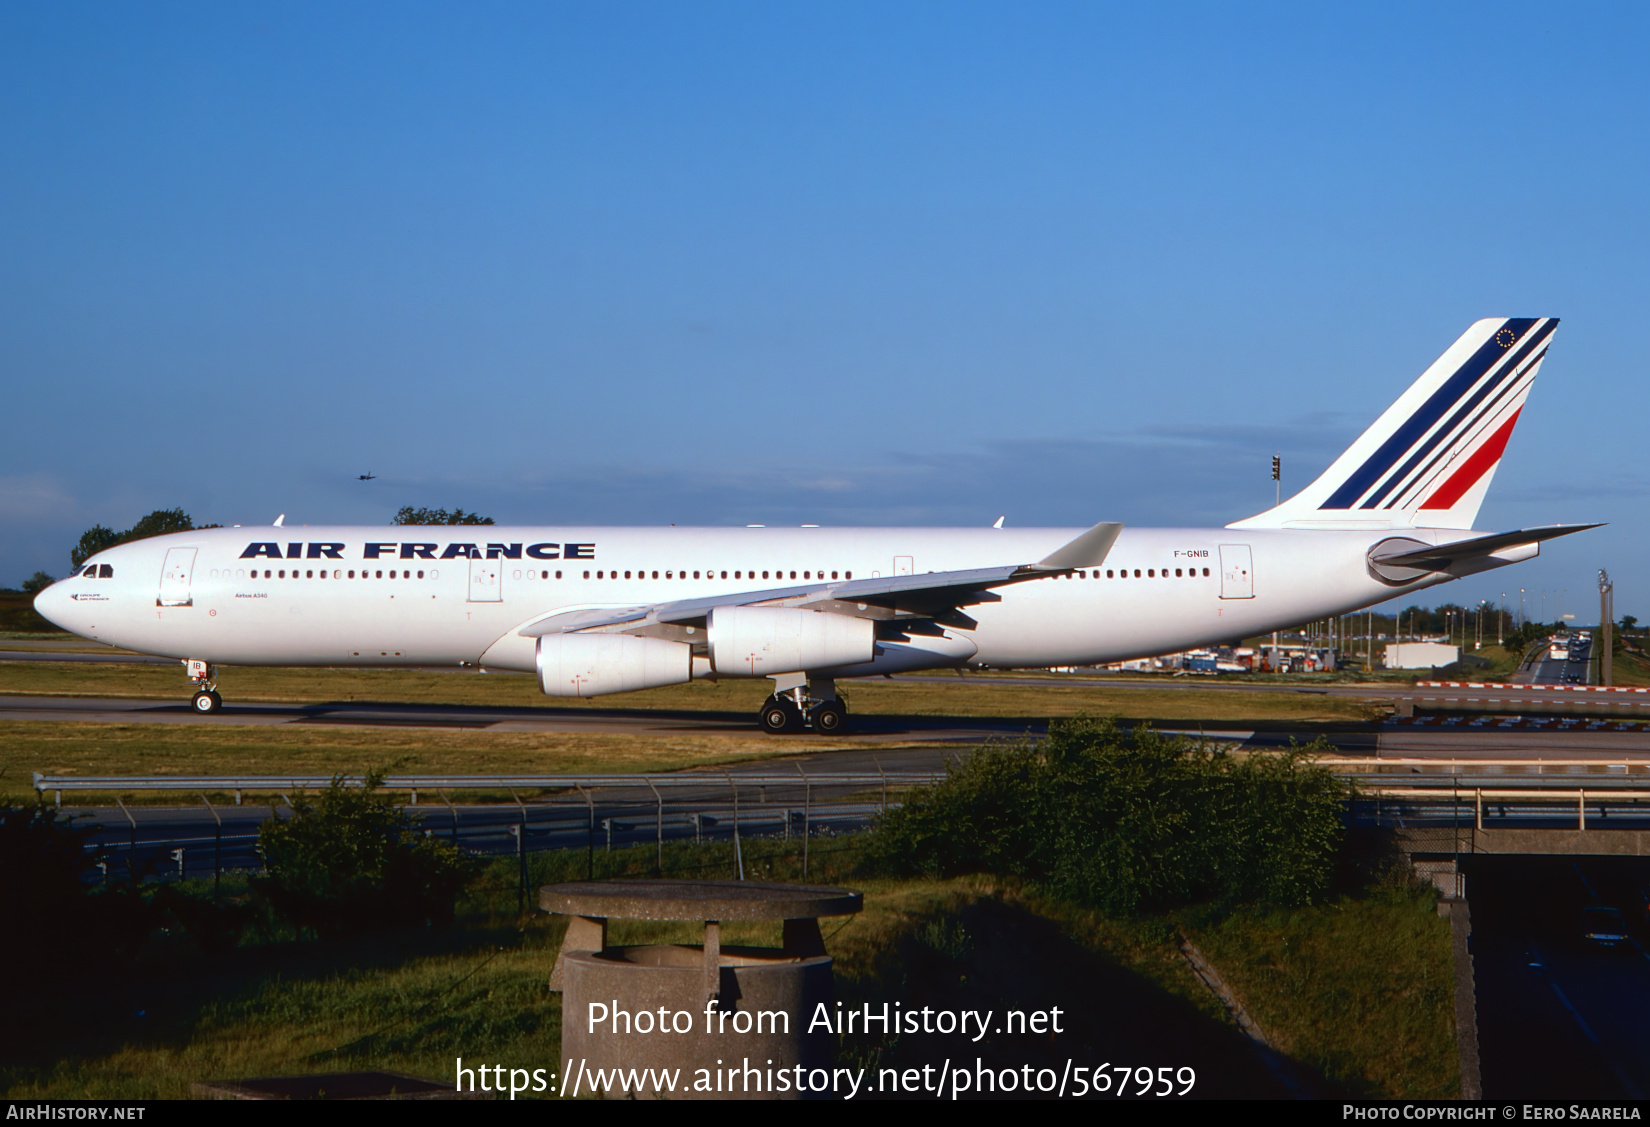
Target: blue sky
(731,263)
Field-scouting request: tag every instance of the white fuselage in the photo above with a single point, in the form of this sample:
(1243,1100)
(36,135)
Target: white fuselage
(399,596)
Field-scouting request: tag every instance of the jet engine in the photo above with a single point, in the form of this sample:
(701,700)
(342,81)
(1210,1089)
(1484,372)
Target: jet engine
(763,641)
(589,665)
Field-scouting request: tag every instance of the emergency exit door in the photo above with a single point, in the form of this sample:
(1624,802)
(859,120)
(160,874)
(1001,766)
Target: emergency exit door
(486,581)
(175,576)
(1237,579)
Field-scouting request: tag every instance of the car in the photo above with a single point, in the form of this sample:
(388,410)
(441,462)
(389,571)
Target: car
(1603,927)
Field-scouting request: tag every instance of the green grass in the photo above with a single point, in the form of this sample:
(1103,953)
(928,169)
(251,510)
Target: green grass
(1357,990)
(1361,989)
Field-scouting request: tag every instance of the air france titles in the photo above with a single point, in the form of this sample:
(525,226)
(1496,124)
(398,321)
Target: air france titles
(374,550)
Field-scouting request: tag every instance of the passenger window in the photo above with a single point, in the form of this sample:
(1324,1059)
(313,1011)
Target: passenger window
(764,575)
(513,575)
(421,574)
(598,575)
(793,575)
(1151,573)
(736,575)
(724,575)
(352,574)
(307,574)
(282,575)
(627,575)
(833,575)
(587,575)
(696,575)
(105,571)
(847,575)
(1177,573)
(1109,574)
(558,575)
(667,575)
(1137,573)
(379,575)
(1205,572)
(655,575)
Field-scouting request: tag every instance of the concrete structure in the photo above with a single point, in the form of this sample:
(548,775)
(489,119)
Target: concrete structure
(738,1017)
(1420,655)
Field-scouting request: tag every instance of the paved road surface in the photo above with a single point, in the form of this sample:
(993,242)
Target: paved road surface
(1573,671)
(1558,1018)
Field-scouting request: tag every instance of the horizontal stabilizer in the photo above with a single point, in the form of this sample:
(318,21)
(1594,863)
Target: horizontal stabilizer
(1444,556)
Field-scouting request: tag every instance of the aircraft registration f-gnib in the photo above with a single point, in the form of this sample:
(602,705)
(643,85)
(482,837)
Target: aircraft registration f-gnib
(597,610)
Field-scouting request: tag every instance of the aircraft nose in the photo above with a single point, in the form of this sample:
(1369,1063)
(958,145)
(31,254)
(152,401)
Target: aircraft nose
(53,604)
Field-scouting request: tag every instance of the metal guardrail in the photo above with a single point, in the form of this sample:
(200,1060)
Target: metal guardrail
(220,784)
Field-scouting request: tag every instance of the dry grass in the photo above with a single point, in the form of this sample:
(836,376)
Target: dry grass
(183,749)
(1031,699)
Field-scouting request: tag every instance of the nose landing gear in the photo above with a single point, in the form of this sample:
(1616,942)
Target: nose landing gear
(203,676)
(805,706)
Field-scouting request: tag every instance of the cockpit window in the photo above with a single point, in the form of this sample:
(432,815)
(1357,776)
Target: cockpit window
(105,571)
(90,572)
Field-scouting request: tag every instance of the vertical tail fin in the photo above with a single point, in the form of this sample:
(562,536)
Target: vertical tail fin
(1429,458)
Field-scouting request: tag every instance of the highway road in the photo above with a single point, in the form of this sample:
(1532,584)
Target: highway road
(1573,670)
(1559,1018)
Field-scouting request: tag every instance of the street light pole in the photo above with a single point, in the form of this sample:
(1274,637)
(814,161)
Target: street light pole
(1606,622)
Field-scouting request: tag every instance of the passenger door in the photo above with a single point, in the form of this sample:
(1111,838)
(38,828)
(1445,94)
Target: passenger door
(175,576)
(486,581)
(1237,580)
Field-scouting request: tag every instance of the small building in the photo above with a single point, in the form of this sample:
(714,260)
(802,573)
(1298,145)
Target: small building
(1420,655)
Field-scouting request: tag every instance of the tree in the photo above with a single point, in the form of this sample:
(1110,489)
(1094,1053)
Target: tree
(1123,821)
(410,515)
(92,541)
(37,583)
(158,523)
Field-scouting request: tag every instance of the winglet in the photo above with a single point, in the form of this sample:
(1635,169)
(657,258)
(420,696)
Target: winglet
(1088,550)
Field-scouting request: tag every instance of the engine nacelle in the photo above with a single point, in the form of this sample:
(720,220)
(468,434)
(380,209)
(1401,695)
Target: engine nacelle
(763,641)
(590,665)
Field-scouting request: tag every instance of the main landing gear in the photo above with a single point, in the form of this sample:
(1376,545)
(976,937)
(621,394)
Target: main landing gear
(801,707)
(206,701)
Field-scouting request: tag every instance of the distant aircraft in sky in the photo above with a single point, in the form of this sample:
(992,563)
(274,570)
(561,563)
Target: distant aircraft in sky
(596,610)
(367,477)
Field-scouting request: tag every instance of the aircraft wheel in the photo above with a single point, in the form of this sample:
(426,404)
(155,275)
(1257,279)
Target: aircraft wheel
(207,702)
(828,718)
(780,717)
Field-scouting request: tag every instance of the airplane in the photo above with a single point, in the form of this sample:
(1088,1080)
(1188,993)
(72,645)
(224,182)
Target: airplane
(366,477)
(598,610)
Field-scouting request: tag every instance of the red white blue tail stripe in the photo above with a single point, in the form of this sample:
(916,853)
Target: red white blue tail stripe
(1429,459)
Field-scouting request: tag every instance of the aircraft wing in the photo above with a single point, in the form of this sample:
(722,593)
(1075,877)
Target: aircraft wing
(927,595)
(1444,556)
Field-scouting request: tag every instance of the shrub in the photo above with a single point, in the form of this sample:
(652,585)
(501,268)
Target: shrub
(58,918)
(1126,820)
(351,862)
